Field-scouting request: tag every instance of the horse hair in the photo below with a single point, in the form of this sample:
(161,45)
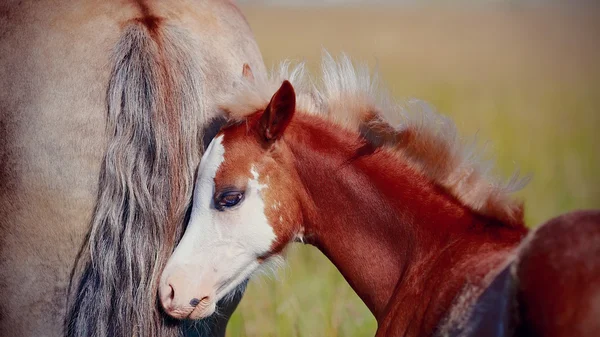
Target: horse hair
(154,107)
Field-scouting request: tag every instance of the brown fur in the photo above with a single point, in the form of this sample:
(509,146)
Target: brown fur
(559,277)
(417,255)
(362,206)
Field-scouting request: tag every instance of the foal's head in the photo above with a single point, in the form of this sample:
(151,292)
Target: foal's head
(246,208)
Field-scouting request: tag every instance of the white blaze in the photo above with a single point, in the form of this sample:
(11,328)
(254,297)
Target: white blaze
(219,249)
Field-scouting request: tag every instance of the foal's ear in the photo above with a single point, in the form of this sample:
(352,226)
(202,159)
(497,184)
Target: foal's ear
(247,72)
(278,113)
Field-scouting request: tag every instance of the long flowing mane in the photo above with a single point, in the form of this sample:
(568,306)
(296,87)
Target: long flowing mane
(350,97)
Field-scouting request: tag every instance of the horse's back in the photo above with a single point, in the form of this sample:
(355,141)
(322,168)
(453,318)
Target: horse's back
(55,64)
(558,277)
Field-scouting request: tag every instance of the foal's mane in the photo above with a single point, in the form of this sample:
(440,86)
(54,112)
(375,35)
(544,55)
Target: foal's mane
(350,97)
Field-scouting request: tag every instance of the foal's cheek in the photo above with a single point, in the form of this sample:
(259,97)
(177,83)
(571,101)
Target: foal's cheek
(283,215)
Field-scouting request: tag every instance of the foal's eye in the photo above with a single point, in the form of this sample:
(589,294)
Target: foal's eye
(228,199)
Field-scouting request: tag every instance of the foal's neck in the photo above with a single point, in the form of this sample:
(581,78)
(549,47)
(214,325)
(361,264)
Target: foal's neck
(405,245)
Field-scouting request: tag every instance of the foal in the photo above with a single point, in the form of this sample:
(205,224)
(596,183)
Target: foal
(405,214)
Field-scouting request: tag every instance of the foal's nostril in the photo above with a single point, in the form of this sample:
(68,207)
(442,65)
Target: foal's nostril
(171,292)
(168,296)
(194,302)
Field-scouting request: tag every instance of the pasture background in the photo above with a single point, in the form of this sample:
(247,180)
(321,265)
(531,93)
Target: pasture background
(524,78)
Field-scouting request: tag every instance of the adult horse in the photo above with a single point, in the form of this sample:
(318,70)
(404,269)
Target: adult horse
(430,243)
(103,109)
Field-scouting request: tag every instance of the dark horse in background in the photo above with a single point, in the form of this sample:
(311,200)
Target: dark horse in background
(103,109)
(430,242)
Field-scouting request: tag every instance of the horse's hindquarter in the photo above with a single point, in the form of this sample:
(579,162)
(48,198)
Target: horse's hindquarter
(55,64)
(559,277)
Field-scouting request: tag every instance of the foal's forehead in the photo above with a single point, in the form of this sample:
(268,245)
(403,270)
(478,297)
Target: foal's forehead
(241,153)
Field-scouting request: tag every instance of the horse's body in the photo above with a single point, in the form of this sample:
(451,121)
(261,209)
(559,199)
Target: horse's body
(550,288)
(429,242)
(160,63)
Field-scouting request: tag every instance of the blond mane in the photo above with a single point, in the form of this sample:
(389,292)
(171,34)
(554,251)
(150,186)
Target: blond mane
(350,97)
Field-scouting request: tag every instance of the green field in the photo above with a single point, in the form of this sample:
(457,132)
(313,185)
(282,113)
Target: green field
(526,80)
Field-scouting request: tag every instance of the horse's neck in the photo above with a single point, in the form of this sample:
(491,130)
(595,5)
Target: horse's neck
(402,243)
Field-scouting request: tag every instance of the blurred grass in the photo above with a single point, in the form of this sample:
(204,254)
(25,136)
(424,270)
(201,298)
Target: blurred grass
(525,79)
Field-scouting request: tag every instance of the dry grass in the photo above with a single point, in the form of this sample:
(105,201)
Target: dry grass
(527,80)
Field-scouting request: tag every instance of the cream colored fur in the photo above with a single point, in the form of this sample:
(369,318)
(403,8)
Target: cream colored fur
(55,63)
